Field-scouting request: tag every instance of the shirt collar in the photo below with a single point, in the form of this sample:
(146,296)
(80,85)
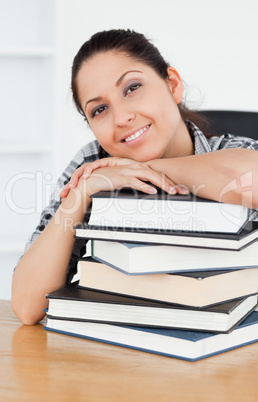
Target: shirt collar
(201,145)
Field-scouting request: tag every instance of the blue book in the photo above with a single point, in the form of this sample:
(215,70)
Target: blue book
(186,345)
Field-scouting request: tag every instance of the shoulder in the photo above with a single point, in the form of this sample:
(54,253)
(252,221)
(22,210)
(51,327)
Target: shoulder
(205,144)
(227,141)
(88,153)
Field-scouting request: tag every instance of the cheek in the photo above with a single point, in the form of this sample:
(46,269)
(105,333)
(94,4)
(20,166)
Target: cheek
(162,107)
(170,113)
(101,132)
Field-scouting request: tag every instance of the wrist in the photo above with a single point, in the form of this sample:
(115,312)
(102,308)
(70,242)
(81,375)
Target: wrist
(74,207)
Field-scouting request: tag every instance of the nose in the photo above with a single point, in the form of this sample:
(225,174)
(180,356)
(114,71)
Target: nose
(123,116)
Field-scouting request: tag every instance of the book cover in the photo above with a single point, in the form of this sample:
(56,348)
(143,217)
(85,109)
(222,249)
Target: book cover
(227,241)
(185,345)
(196,288)
(75,303)
(129,208)
(136,258)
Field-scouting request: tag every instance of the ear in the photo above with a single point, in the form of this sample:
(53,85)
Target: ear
(175,84)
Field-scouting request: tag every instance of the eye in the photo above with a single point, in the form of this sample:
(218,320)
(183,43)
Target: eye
(132,88)
(98,110)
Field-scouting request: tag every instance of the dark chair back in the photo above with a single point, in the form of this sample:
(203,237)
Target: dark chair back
(233,122)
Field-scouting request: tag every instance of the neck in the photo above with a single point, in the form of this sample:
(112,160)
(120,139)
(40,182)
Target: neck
(182,144)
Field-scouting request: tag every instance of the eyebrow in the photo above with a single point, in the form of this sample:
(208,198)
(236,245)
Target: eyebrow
(119,81)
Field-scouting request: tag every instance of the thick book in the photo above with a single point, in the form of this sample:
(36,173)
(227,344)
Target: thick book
(136,258)
(128,208)
(227,241)
(186,345)
(74,303)
(196,289)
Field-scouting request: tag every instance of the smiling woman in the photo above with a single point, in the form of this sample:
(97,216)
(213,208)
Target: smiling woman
(145,138)
(127,105)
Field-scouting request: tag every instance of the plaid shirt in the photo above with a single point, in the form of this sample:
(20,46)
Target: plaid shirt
(93,151)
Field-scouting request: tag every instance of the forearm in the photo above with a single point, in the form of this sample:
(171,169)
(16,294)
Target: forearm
(43,268)
(229,175)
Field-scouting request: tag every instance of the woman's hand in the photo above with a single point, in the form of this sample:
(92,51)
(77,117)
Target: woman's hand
(87,168)
(135,175)
(140,173)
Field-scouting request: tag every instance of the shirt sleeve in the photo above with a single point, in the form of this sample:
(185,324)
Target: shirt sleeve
(87,154)
(228,141)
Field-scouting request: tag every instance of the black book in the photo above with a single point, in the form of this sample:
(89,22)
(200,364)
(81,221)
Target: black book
(227,241)
(128,208)
(73,303)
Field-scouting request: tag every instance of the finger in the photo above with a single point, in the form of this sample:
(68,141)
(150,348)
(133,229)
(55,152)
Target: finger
(65,191)
(76,175)
(182,189)
(158,179)
(95,165)
(173,188)
(139,185)
(106,162)
(164,183)
(99,163)
(168,185)
(87,171)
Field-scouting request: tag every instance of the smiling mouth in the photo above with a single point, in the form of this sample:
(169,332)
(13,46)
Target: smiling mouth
(136,134)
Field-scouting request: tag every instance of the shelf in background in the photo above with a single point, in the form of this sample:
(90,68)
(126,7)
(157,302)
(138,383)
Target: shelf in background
(27,52)
(25,148)
(12,248)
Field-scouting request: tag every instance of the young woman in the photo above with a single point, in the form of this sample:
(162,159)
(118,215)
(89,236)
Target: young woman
(145,138)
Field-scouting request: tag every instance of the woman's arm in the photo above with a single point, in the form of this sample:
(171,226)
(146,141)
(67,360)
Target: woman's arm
(227,175)
(43,267)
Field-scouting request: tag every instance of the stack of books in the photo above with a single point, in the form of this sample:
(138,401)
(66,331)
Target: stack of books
(171,275)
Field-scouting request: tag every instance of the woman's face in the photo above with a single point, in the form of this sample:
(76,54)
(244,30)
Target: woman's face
(131,110)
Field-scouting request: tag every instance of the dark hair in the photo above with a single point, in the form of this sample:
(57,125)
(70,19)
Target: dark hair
(137,46)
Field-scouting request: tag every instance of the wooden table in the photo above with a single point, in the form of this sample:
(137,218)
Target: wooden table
(37,365)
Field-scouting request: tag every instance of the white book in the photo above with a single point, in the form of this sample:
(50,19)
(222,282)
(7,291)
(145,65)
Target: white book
(128,208)
(186,345)
(135,258)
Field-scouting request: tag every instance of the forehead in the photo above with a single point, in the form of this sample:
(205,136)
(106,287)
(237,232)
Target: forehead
(110,61)
(104,69)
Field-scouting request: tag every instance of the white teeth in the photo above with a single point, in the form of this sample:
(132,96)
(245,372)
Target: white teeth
(136,135)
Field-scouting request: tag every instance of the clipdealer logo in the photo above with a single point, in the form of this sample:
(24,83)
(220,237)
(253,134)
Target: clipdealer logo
(40,190)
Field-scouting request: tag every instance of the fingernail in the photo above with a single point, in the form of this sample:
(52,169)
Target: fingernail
(152,190)
(86,175)
(172,190)
(184,190)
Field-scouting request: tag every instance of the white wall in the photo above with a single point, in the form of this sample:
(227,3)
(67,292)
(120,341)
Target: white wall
(213,44)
